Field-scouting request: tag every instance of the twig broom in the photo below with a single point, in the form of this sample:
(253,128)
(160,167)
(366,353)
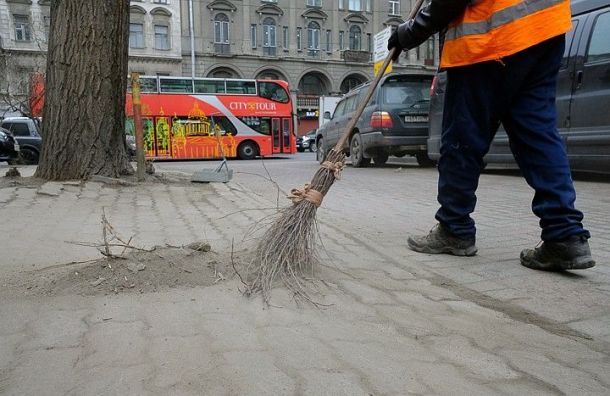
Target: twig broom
(287,249)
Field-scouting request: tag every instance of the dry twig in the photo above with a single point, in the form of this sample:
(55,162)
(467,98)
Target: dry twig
(111,239)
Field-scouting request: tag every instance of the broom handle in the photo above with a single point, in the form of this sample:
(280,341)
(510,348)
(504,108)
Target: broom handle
(356,116)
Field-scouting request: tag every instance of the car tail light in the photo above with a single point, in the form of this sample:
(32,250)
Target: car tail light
(433,86)
(381,119)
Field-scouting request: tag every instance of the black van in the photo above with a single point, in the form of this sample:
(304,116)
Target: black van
(583,95)
(395,121)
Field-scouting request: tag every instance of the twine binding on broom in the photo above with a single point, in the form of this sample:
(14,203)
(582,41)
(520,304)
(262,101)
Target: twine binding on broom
(307,194)
(335,167)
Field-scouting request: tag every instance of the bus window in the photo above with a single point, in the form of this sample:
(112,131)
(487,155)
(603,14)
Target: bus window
(209,86)
(286,132)
(241,87)
(130,129)
(204,126)
(259,124)
(147,84)
(225,125)
(273,91)
(175,85)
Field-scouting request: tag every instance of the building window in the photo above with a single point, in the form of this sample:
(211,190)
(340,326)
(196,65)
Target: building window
(285,38)
(313,38)
(22,28)
(221,34)
(314,3)
(341,40)
(329,42)
(355,38)
(253,36)
(161,1)
(299,44)
(221,29)
(369,41)
(136,35)
(269,37)
(341,6)
(394,7)
(368,5)
(355,5)
(161,37)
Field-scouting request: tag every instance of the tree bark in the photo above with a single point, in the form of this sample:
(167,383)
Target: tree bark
(84,110)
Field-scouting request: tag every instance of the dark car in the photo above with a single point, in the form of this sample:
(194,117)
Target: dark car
(307,142)
(27,133)
(394,122)
(9,148)
(583,95)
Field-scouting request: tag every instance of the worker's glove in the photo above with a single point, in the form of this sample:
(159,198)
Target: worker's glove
(393,42)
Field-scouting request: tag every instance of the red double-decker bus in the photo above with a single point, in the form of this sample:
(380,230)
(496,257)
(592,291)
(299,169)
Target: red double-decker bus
(182,117)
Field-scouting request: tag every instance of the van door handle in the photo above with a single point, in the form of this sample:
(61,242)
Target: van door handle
(578,79)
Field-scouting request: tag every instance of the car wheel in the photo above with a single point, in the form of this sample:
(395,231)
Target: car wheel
(423,160)
(356,152)
(247,151)
(28,156)
(312,146)
(381,159)
(321,151)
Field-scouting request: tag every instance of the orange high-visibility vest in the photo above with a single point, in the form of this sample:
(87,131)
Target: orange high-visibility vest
(493,29)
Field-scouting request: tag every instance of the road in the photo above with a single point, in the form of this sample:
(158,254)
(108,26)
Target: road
(380,207)
(396,322)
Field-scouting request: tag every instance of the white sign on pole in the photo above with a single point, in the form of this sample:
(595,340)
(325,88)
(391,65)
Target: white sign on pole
(380,50)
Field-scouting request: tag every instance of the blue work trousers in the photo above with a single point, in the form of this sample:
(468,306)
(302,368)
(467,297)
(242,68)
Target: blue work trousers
(519,92)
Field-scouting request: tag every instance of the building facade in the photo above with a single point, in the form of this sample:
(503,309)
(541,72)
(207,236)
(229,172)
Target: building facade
(24,30)
(154,44)
(321,47)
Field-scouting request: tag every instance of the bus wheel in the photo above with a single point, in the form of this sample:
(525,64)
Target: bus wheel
(247,150)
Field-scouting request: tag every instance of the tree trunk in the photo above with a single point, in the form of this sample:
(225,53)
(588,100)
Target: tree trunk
(84,110)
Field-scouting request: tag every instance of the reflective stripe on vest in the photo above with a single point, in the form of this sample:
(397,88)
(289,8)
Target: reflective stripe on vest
(492,29)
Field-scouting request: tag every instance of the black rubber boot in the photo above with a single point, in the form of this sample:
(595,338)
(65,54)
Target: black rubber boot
(570,254)
(440,241)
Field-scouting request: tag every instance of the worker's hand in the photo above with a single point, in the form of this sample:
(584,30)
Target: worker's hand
(394,43)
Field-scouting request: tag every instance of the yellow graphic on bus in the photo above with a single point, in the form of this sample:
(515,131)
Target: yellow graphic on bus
(194,137)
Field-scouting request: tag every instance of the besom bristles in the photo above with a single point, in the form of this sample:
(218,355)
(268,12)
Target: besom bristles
(287,250)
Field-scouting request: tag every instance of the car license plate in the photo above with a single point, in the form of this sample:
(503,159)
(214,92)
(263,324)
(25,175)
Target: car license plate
(419,118)
(16,147)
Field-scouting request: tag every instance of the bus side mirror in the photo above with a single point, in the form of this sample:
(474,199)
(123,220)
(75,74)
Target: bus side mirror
(327,115)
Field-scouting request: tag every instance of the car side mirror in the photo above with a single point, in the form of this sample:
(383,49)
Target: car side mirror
(327,115)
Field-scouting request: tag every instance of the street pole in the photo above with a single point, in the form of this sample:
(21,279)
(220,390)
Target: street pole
(137,121)
(192,34)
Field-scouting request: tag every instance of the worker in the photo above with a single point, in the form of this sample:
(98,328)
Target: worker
(502,60)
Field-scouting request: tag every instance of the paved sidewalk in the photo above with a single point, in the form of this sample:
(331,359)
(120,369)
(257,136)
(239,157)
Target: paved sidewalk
(397,322)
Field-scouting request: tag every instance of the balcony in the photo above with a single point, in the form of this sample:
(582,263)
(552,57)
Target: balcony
(309,102)
(269,51)
(222,49)
(356,56)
